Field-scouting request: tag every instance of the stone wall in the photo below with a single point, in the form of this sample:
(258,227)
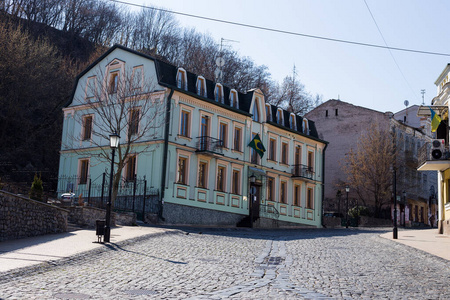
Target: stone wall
(21,217)
(86,216)
(188,215)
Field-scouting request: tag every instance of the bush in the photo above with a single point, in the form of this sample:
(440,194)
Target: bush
(357,211)
(37,189)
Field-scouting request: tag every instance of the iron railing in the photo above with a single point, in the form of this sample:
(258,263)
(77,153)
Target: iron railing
(209,145)
(268,211)
(303,171)
(133,196)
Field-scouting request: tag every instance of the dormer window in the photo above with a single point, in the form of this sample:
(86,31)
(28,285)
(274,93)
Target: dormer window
(218,93)
(292,122)
(255,112)
(305,126)
(234,101)
(181,79)
(280,116)
(201,86)
(268,113)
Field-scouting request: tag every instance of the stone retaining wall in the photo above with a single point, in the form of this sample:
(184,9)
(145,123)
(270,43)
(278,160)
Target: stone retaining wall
(22,217)
(86,216)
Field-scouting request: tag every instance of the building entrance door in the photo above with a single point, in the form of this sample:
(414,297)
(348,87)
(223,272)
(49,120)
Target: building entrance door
(255,191)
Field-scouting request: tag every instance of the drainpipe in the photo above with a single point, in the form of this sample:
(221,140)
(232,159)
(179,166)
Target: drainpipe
(323,181)
(165,155)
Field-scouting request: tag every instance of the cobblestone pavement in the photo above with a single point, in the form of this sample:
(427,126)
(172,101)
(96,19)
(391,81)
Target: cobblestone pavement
(240,264)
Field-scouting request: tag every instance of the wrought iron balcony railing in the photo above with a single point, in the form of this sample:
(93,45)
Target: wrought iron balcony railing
(211,145)
(303,171)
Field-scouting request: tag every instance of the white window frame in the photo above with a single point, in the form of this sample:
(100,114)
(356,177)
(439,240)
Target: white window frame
(141,80)
(127,165)
(225,177)
(238,168)
(88,97)
(190,110)
(187,156)
(137,108)
(280,116)
(268,112)
(234,102)
(305,127)
(218,93)
(292,121)
(201,84)
(83,127)
(203,161)
(181,73)
(241,138)
(80,160)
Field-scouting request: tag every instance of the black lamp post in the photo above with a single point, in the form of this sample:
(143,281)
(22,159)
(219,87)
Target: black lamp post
(404,209)
(347,189)
(114,143)
(395,230)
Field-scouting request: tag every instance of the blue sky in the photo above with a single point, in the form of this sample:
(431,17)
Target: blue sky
(359,75)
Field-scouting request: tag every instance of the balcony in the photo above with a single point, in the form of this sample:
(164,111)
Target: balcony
(303,171)
(210,146)
(429,161)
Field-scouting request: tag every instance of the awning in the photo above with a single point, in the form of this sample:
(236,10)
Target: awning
(435,165)
(424,110)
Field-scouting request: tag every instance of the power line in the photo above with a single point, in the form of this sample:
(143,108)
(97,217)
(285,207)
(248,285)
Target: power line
(284,31)
(390,52)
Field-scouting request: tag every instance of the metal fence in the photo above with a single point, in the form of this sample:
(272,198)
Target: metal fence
(133,196)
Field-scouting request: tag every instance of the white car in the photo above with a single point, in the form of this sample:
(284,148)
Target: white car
(68,198)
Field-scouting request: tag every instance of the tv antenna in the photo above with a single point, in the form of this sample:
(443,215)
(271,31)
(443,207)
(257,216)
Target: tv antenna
(220,61)
(423,96)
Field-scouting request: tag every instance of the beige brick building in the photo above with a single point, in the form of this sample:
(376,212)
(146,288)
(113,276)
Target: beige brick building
(341,124)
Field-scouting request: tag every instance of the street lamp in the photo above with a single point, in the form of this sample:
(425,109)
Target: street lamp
(252,178)
(114,143)
(404,209)
(347,189)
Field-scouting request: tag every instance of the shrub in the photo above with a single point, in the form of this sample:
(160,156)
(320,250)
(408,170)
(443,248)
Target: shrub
(37,188)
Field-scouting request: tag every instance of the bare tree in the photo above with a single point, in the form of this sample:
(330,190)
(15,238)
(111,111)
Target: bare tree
(369,167)
(125,104)
(292,96)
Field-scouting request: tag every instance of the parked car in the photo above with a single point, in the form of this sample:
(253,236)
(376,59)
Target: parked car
(68,198)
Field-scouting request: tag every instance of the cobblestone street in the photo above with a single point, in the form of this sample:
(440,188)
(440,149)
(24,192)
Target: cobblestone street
(240,264)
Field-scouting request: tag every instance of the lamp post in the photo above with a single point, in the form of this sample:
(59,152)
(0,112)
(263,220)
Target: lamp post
(347,189)
(114,143)
(395,230)
(404,209)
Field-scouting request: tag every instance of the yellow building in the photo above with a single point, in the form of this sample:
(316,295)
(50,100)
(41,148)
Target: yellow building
(435,155)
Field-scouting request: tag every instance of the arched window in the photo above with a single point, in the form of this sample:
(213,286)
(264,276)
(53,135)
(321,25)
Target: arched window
(218,93)
(292,122)
(255,112)
(268,113)
(280,116)
(201,86)
(234,100)
(305,126)
(181,79)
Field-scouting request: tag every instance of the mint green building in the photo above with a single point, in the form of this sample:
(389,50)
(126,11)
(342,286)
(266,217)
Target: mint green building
(192,145)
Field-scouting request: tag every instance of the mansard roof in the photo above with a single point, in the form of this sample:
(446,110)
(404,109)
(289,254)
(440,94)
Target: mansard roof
(167,73)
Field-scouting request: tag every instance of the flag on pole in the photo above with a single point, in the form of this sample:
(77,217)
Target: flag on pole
(435,120)
(257,145)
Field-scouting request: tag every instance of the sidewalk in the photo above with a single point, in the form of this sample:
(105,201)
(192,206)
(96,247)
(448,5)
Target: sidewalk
(428,240)
(35,250)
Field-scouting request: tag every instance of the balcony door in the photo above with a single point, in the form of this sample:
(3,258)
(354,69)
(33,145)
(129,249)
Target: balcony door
(204,133)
